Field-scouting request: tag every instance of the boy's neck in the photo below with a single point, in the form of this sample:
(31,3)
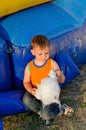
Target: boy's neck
(39,63)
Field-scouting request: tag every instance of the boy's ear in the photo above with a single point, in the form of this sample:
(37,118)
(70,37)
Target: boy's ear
(32,51)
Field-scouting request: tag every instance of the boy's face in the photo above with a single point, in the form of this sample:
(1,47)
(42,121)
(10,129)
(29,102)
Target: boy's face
(41,54)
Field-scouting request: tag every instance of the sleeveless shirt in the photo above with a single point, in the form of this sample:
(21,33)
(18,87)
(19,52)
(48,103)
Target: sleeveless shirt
(37,73)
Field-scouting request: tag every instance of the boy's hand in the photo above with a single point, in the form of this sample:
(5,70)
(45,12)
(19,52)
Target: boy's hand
(58,73)
(33,91)
(60,76)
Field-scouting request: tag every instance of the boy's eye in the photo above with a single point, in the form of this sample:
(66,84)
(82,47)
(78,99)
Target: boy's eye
(46,53)
(40,54)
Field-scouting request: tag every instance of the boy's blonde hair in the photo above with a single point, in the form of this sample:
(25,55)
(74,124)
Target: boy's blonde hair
(41,41)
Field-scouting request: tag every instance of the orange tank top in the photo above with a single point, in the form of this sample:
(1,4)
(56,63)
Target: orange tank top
(39,72)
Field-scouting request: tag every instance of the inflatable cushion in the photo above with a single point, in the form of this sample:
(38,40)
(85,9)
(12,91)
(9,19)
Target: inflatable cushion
(11,103)
(5,73)
(1,125)
(9,6)
(67,66)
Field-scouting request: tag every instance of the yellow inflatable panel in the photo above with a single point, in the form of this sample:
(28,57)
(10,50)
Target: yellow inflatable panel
(9,6)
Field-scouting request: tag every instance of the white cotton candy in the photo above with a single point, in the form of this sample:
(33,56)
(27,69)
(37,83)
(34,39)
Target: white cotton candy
(49,90)
(52,74)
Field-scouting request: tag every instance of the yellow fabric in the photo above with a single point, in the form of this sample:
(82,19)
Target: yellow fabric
(37,74)
(10,6)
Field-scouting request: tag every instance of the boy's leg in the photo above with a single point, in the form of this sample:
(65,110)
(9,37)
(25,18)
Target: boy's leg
(31,102)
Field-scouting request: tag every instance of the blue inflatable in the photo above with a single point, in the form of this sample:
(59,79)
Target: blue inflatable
(5,72)
(1,125)
(63,22)
(11,103)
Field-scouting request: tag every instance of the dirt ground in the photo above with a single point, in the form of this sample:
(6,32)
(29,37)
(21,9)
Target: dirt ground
(73,94)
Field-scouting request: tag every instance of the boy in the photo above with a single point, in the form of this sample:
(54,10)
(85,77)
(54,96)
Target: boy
(38,69)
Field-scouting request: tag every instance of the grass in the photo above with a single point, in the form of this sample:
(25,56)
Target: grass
(73,94)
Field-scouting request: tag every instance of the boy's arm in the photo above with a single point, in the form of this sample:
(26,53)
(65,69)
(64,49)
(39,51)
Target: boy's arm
(59,73)
(26,82)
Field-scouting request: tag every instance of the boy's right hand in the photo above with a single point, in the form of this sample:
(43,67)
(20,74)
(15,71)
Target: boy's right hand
(33,91)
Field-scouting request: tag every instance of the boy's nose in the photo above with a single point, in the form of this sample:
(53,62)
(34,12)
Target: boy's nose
(43,56)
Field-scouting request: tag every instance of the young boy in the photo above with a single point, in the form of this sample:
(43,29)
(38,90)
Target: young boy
(38,69)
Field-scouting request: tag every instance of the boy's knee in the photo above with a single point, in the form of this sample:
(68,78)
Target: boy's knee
(31,102)
(25,98)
